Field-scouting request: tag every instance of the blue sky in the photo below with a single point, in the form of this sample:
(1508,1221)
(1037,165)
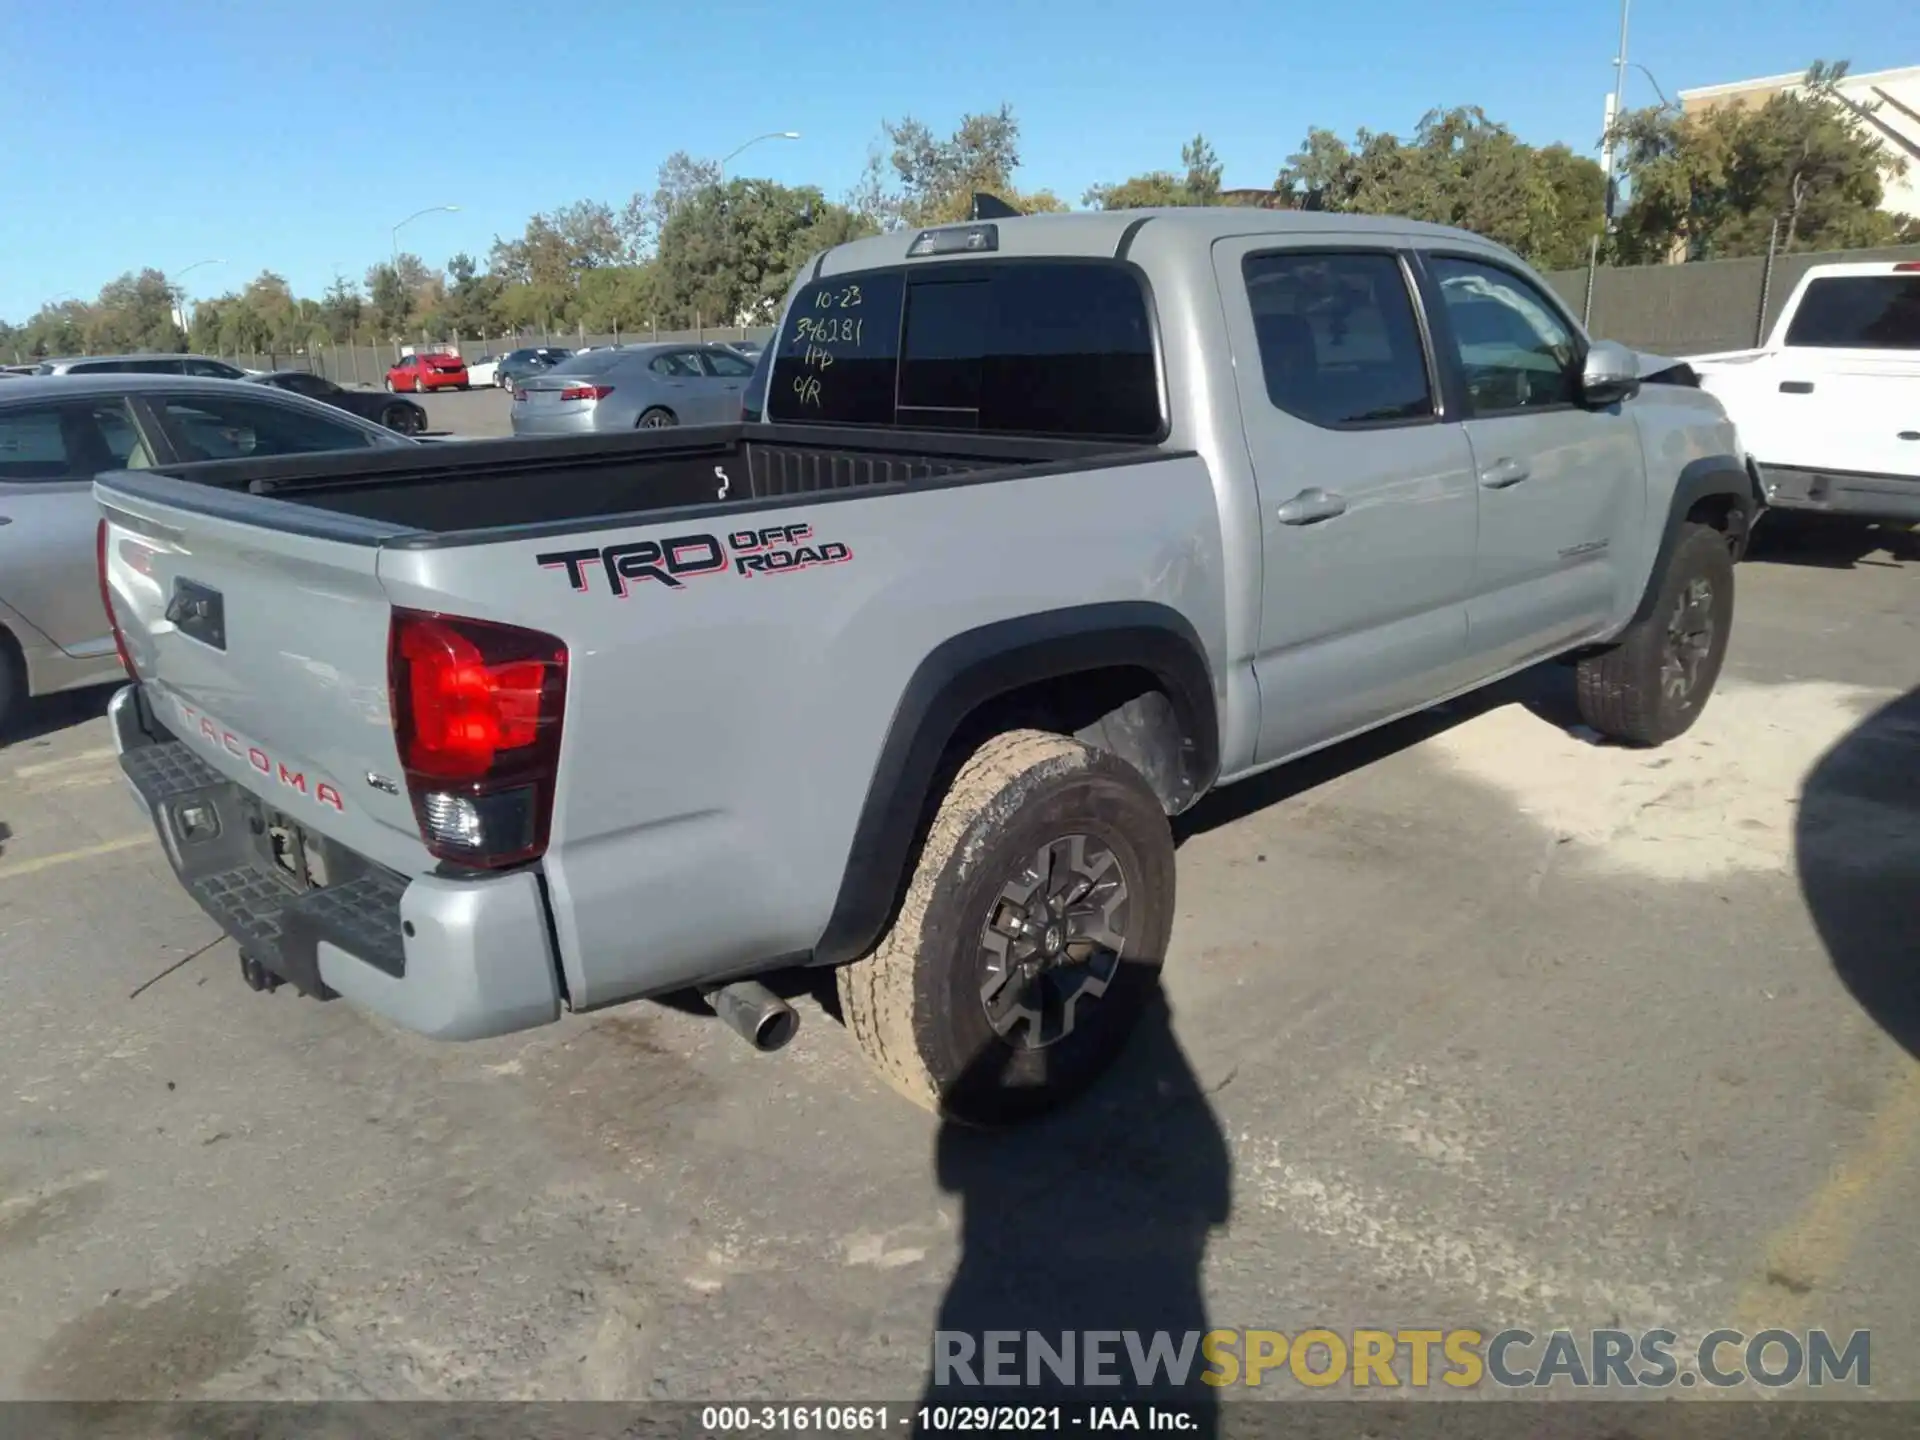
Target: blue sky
(293,136)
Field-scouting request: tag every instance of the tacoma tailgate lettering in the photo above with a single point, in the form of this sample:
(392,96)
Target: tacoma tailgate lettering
(224,739)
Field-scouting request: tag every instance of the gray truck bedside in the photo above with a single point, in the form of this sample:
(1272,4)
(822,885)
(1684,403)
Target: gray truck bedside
(1044,527)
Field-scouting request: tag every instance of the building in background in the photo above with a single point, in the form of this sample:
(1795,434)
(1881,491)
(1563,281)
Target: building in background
(1887,102)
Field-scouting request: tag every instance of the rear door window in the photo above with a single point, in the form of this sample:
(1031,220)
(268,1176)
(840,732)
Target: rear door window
(72,441)
(1339,341)
(1859,312)
(209,427)
(726,364)
(1061,348)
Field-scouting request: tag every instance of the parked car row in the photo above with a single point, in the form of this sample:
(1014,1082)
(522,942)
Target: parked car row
(57,432)
(644,387)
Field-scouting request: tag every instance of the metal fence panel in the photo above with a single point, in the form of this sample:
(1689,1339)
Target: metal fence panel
(1699,307)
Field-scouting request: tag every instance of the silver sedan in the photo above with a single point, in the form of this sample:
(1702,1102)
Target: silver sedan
(644,387)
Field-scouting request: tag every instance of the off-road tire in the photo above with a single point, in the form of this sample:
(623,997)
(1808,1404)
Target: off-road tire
(914,1004)
(1620,690)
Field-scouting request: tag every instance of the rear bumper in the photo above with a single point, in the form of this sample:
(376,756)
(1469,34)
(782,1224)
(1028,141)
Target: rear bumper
(1870,497)
(451,958)
(528,421)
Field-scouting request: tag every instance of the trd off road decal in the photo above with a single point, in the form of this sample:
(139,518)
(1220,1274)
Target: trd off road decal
(769,550)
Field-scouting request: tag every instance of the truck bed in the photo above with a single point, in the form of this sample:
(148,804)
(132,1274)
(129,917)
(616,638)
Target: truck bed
(450,494)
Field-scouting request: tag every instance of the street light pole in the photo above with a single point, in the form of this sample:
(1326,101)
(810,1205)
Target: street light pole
(1619,89)
(720,175)
(770,135)
(186,324)
(430,210)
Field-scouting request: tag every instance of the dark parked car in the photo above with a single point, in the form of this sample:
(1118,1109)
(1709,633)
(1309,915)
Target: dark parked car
(391,411)
(517,365)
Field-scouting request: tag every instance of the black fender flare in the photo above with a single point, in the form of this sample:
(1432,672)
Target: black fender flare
(1700,479)
(973,669)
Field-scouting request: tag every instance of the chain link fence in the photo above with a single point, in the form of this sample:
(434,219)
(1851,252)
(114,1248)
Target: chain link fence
(1700,307)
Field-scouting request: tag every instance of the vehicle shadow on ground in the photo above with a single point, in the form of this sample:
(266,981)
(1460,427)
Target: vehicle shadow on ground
(6,834)
(51,714)
(1095,1218)
(1545,690)
(1857,849)
(1832,542)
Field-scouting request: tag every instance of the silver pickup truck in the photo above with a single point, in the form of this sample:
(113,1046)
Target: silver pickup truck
(1052,525)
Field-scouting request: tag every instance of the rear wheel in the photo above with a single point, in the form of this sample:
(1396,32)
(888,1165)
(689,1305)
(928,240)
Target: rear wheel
(1030,938)
(403,418)
(658,418)
(1651,686)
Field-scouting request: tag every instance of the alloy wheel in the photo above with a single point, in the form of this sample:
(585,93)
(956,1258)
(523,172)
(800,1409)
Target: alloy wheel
(1052,941)
(1689,640)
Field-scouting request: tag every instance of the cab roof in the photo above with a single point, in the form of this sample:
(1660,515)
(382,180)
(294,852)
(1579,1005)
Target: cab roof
(1100,232)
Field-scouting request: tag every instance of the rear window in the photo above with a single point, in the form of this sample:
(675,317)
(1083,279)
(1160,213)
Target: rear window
(1859,312)
(593,362)
(1013,347)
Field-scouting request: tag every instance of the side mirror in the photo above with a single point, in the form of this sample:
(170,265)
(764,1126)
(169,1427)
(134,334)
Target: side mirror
(1611,374)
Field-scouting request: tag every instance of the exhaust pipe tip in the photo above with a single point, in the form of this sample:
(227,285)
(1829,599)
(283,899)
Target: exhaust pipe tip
(754,1013)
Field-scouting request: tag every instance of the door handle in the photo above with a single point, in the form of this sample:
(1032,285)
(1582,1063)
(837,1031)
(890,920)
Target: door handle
(1310,507)
(1504,472)
(6,519)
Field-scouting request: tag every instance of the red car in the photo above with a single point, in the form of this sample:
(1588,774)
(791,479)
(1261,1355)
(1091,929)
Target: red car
(420,373)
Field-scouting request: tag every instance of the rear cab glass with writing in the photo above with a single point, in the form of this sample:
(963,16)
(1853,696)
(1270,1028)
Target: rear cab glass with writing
(1012,347)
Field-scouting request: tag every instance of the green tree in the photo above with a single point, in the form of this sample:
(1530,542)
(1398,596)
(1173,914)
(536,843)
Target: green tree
(134,312)
(209,318)
(470,304)
(1716,183)
(937,178)
(1200,185)
(729,252)
(1462,169)
(55,330)
(616,298)
(643,220)
(548,259)
(389,303)
(342,310)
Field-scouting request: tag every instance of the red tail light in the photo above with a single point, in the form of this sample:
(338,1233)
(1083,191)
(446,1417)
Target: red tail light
(1908,265)
(476,711)
(585,392)
(106,598)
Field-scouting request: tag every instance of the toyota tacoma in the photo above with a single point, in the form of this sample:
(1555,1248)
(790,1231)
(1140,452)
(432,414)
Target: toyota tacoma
(1049,526)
